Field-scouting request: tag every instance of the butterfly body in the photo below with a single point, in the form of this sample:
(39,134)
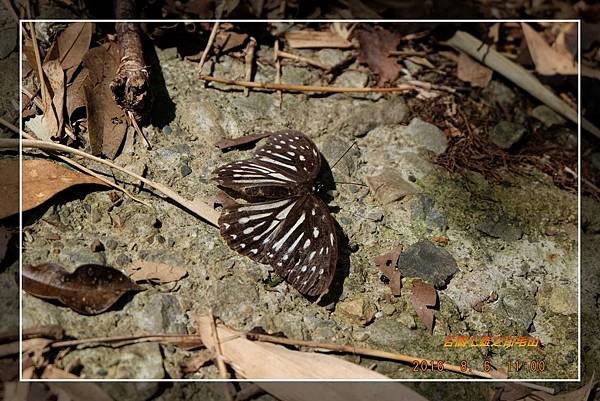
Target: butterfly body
(284,224)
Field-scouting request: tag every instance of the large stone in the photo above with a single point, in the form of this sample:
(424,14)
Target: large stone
(428,262)
(427,136)
(390,186)
(547,116)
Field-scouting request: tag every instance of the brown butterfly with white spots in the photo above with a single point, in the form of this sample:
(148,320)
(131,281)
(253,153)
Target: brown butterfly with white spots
(284,224)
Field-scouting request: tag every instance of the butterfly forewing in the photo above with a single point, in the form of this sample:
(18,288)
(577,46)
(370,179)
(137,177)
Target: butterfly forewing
(288,160)
(294,235)
(292,230)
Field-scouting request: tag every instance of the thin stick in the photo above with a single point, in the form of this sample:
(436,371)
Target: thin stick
(219,355)
(197,208)
(124,340)
(534,386)
(280,53)
(308,88)
(278,71)
(249,62)
(38,63)
(137,129)
(77,165)
(366,352)
(209,44)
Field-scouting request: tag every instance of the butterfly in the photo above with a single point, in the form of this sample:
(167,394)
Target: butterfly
(284,224)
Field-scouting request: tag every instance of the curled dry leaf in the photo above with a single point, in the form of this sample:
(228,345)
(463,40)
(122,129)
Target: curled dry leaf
(424,297)
(107,123)
(471,71)
(42,179)
(90,289)
(375,47)
(547,60)
(226,144)
(142,270)
(73,43)
(76,93)
(386,263)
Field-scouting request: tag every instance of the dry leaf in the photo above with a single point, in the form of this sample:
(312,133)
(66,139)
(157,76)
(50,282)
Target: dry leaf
(316,39)
(227,41)
(106,120)
(73,43)
(226,144)
(471,71)
(548,61)
(259,360)
(53,104)
(386,263)
(423,297)
(375,47)
(76,93)
(421,61)
(90,289)
(42,179)
(161,273)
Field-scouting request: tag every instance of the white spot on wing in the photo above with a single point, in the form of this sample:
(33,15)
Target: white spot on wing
(279,243)
(269,160)
(306,243)
(315,232)
(331,238)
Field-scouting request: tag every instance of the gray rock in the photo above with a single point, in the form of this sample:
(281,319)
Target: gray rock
(167,130)
(330,57)
(333,147)
(159,313)
(558,298)
(10,36)
(428,262)
(519,306)
(505,134)
(423,208)
(547,116)
(501,227)
(371,115)
(497,92)
(389,186)
(185,170)
(352,79)
(427,135)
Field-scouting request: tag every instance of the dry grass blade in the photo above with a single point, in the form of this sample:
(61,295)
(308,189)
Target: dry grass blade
(211,40)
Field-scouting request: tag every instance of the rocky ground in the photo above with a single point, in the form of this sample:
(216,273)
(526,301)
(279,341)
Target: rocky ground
(516,238)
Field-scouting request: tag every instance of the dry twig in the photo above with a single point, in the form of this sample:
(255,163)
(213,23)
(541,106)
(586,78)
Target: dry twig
(211,40)
(249,62)
(309,88)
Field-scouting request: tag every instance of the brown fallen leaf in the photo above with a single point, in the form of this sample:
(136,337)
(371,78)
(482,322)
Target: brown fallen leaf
(316,39)
(73,43)
(471,71)
(89,290)
(226,143)
(547,60)
(156,272)
(227,40)
(42,179)
(107,123)
(423,297)
(76,93)
(386,263)
(53,105)
(74,391)
(375,47)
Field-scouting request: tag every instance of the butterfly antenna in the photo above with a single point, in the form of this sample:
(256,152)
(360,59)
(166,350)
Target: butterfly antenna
(343,154)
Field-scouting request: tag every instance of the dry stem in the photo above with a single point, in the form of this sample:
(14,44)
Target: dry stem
(209,44)
(309,88)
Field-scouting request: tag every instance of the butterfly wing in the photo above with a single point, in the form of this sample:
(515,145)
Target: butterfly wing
(288,160)
(296,236)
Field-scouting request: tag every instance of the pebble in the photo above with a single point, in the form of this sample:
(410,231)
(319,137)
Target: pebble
(388,309)
(389,186)
(185,170)
(505,134)
(547,116)
(97,246)
(427,135)
(428,262)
